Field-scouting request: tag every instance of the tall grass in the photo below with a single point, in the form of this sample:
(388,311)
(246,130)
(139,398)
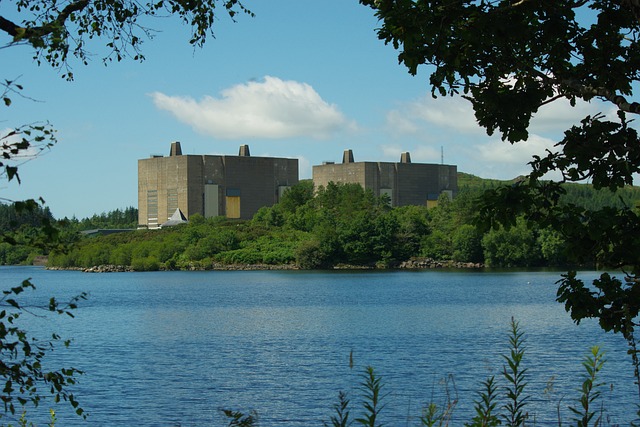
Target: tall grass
(500,401)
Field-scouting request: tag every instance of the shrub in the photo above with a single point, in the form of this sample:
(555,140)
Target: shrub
(310,255)
(149,263)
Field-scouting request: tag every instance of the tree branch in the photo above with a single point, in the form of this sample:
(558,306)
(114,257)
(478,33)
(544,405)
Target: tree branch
(619,100)
(49,27)
(70,8)
(8,27)
(18,32)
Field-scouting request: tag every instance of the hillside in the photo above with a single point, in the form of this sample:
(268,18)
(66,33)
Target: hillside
(579,194)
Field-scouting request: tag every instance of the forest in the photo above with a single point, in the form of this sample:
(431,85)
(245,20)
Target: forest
(341,225)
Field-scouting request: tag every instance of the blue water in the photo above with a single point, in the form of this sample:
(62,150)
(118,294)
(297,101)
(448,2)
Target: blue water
(173,348)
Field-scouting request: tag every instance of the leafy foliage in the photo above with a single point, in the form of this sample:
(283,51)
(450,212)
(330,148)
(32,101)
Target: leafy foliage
(344,225)
(511,58)
(593,364)
(372,387)
(516,378)
(57,30)
(341,417)
(485,407)
(115,219)
(21,357)
(493,408)
(239,419)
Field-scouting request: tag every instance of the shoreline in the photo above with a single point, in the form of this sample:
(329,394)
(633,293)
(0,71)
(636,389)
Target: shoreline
(411,264)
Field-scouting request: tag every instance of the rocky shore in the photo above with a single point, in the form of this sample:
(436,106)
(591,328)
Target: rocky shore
(109,268)
(411,264)
(427,263)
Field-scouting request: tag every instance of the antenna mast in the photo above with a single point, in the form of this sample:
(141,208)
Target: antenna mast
(441,155)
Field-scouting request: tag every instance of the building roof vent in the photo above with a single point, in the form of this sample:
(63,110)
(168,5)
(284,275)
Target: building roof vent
(244,151)
(347,157)
(176,150)
(405,157)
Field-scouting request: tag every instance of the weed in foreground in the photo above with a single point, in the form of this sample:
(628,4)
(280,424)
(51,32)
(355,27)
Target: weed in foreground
(492,407)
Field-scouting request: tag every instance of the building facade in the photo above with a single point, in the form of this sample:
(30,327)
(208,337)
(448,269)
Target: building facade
(210,185)
(405,183)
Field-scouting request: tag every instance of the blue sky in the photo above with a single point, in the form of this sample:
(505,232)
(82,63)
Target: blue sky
(301,79)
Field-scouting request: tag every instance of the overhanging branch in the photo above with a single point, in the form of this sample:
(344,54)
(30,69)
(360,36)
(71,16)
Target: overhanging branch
(619,100)
(18,32)
(8,26)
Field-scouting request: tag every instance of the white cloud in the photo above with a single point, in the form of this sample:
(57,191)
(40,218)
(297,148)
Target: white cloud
(502,160)
(419,153)
(271,108)
(426,154)
(502,152)
(554,118)
(401,123)
(391,151)
(454,114)
(450,122)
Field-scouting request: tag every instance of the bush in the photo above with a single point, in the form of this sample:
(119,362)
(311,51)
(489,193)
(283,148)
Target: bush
(310,255)
(149,263)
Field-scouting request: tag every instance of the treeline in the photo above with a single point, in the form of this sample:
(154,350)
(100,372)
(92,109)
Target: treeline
(21,232)
(323,228)
(341,224)
(126,218)
(29,230)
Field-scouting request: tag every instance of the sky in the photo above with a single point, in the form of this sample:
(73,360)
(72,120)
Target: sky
(302,79)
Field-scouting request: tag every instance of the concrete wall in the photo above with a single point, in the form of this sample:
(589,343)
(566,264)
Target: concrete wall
(180,180)
(342,172)
(406,183)
(256,180)
(175,182)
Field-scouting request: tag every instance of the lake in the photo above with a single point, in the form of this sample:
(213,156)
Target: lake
(173,348)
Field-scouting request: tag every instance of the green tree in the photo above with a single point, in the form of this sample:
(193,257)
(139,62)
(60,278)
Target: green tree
(511,246)
(552,247)
(467,244)
(413,225)
(509,59)
(296,196)
(55,31)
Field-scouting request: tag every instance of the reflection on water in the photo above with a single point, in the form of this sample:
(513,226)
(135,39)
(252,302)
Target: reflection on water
(172,348)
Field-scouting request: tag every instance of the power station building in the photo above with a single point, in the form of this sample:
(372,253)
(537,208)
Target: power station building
(405,183)
(210,185)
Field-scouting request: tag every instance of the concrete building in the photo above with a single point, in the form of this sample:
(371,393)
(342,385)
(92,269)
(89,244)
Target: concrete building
(405,183)
(210,185)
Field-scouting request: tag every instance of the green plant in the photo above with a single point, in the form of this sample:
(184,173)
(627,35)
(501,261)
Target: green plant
(239,419)
(516,379)
(590,390)
(23,422)
(22,371)
(371,387)
(488,412)
(341,417)
(434,415)
(485,406)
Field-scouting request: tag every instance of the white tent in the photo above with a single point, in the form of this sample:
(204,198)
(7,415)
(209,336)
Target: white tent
(177,218)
